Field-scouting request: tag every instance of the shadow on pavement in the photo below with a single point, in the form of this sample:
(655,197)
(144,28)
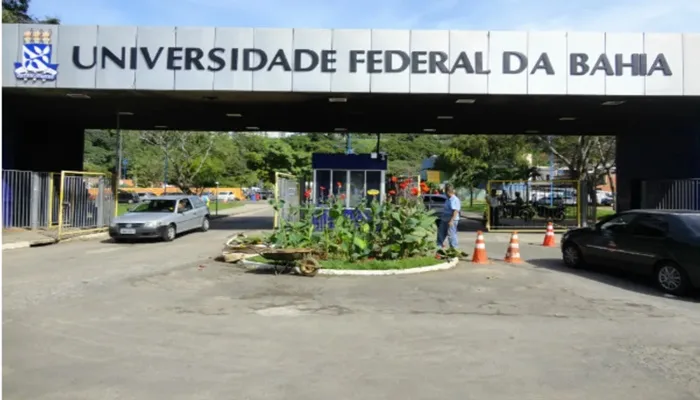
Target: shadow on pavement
(470,225)
(243,223)
(611,277)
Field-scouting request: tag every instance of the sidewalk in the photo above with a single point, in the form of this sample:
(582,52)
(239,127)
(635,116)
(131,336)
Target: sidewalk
(17,238)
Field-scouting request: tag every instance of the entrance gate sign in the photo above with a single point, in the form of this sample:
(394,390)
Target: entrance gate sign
(373,61)
(351,61)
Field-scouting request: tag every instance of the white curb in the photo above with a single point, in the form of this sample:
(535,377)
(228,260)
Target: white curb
(263,267)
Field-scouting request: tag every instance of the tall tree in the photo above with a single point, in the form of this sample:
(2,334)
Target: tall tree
(187,154)
(588,158)
(471,160)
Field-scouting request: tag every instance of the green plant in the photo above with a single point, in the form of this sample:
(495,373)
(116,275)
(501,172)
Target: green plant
(388,231)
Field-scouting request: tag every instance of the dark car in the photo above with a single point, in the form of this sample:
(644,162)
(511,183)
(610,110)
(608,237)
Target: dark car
(124,196)
(664,244)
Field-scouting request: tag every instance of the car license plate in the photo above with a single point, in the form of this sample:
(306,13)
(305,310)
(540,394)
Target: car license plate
(126,231)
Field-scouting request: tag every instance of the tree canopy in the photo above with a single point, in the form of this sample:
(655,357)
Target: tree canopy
(199,159)
(17,12)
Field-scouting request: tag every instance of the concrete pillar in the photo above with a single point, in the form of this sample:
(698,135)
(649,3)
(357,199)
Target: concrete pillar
(35,201)
(22,137)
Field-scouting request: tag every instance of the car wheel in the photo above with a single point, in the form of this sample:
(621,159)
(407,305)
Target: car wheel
(671,278)
(169,233)
(572,256)
(205,224)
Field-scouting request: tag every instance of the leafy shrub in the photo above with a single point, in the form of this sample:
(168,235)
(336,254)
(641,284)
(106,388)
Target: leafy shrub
(393,230)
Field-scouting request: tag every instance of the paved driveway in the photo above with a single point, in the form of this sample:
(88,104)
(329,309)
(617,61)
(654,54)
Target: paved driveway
(164,321)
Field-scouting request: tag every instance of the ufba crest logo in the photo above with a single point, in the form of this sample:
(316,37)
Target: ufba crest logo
(36,57)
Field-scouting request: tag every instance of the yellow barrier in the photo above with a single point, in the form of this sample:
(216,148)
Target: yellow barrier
(560,201)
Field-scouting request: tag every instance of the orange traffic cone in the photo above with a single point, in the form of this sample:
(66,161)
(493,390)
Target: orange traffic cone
(513,253)
(549,236)
(480,256)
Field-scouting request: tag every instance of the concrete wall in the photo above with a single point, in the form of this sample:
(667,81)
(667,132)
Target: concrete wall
(340,60)
(654,155)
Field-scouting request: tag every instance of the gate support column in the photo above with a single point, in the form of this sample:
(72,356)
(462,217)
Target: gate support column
(34,201)
(100,203)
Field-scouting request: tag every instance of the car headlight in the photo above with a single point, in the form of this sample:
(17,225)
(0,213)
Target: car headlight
(113,224)
(152,224)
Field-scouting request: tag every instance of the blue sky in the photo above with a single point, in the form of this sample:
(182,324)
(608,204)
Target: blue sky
(581,15)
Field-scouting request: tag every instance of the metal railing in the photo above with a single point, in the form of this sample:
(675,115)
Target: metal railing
(26,199)
(60,203)
(671,194)
(86,202)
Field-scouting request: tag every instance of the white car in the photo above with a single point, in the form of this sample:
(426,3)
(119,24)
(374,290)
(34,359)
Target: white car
(226,196)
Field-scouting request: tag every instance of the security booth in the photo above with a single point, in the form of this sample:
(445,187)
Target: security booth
(347,178)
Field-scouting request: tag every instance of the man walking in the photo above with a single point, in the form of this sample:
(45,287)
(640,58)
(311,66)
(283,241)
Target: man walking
(449,218)
(493,202)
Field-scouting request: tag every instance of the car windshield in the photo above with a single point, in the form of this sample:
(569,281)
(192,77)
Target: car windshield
(692,221)
(156,206)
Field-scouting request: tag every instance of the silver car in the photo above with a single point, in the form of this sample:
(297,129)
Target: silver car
(161,217)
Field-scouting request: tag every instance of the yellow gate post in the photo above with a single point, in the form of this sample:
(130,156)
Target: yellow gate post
(488,206)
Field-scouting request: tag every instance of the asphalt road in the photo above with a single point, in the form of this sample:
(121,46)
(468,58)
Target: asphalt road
(98,320)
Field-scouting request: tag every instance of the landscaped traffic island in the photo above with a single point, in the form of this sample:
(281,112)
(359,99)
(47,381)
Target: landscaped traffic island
(396,236)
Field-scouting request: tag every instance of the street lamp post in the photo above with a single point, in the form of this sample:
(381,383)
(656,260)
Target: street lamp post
(165,175)
(216,205)
(118,169)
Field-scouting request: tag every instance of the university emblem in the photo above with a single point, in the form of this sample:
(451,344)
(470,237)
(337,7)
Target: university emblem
(36,57)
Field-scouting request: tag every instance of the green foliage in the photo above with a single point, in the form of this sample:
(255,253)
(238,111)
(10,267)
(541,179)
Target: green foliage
(388,231)
(17,12)
(471,160)
(240,159)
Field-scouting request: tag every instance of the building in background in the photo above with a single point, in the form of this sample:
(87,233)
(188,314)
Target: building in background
(429,174)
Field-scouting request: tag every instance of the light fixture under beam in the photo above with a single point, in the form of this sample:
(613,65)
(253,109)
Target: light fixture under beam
(445,117)
(429,130)
(613,102)
(338,99)
(125,113)
(252,128)
(77,95)
(532,131)
(465,101)
(340,129)
(567,119)
(234,115)
(161,127)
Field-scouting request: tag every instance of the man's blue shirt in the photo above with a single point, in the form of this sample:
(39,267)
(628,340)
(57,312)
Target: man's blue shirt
(451,205)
